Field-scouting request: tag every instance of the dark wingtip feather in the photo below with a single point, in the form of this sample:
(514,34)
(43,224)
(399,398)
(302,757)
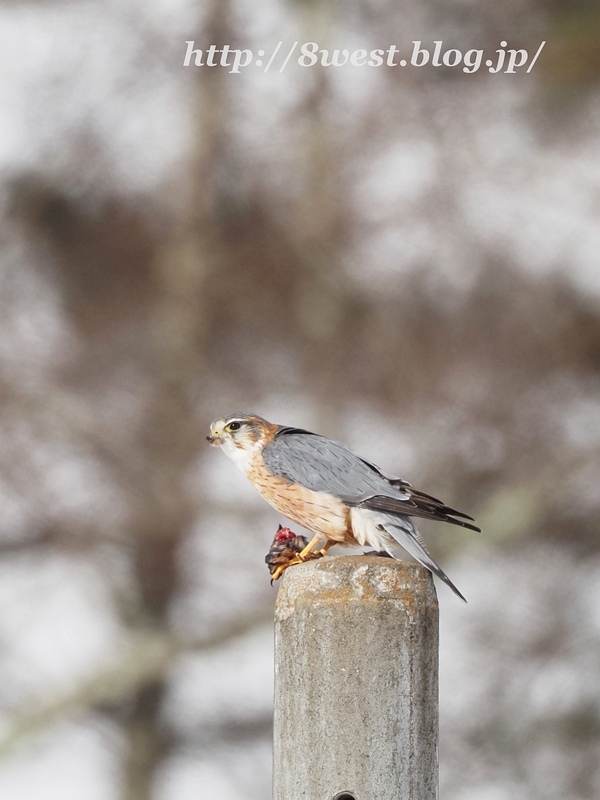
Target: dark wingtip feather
(440,504)
(464,524)
(416,506)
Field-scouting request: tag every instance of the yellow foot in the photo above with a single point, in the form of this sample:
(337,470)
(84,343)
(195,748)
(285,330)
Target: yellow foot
(299,559)
(282,567)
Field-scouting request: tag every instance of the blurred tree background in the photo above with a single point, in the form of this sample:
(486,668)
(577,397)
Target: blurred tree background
(407,260)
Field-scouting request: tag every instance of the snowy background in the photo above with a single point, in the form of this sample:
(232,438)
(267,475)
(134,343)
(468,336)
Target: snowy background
(408,261)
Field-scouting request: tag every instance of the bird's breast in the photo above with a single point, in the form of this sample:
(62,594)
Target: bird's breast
(320,512)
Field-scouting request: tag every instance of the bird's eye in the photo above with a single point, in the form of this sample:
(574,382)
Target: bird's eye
(234,426)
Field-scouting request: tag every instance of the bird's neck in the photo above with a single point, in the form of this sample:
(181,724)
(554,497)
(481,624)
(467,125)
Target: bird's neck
(242,456)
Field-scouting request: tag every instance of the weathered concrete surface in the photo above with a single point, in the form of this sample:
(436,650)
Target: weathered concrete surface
(356,681)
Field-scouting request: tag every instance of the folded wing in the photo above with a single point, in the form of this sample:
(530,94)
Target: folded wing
(323,465)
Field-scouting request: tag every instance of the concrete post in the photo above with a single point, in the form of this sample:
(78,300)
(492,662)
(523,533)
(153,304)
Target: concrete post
(356,681)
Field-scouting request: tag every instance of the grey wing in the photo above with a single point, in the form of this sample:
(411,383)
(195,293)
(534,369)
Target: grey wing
(323,465)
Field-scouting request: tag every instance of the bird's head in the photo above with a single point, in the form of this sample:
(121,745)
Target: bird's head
(241,435)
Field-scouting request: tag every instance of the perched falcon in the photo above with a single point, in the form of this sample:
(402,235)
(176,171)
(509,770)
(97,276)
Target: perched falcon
(330,490)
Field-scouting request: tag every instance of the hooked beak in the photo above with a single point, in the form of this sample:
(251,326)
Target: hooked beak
(214,441)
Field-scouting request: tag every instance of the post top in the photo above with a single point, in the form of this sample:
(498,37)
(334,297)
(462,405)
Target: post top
(334,580)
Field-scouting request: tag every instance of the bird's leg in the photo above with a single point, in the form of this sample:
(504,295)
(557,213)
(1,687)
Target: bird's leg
(323,551)
(303,554)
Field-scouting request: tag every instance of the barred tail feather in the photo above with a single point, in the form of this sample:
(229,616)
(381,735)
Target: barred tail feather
(410,543)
